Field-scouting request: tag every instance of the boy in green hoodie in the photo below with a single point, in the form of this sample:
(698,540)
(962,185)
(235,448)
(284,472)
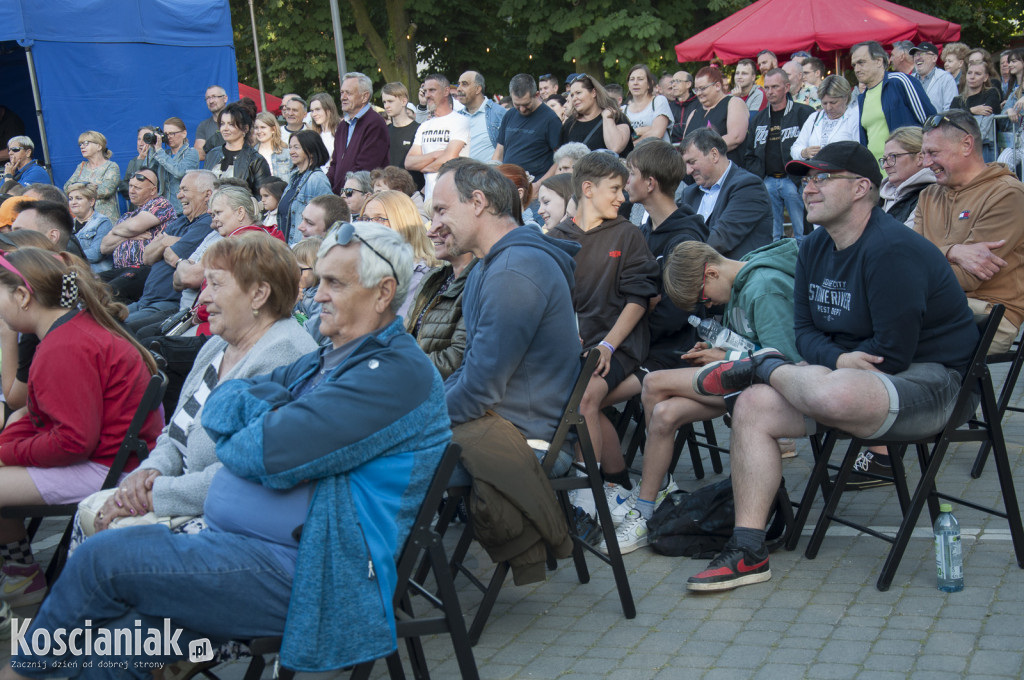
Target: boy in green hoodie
(758,293)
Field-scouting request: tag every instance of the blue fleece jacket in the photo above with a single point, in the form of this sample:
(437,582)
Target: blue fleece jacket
(904,102)
(371,435)
(522,342)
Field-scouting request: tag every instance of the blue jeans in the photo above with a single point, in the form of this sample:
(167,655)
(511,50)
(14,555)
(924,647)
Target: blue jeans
(212,585)
(783,191)
(156,312)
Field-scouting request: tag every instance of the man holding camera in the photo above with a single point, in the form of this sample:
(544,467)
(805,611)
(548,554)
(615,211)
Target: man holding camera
(171,166)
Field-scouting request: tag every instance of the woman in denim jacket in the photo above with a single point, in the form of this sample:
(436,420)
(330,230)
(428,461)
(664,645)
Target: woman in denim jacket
(308,153)
(90,225)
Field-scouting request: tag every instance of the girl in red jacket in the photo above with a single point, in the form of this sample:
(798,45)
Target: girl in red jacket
(85,384)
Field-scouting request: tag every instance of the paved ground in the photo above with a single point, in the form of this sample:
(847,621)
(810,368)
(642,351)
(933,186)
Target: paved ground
(820,618)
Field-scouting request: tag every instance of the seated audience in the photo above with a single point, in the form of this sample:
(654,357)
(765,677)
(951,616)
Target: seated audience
(236,158)
(21,167)
(307,182)
(906,175)
(357,188)
(838,120)
(85,383)
(90,225)
(271,146)
(98,170)
(307,309)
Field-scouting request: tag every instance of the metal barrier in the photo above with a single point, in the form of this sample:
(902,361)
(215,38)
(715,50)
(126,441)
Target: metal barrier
(1009,144)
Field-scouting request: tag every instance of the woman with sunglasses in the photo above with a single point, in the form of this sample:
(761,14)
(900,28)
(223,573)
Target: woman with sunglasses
(21,167)
(596,120)
(358,188)
(84,385)
(171,167)
(906,176)
(395,210)
(236,158)
(308,181)
(98,170)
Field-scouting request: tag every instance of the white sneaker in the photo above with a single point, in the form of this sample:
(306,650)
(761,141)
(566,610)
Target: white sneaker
(5,620)
(631,534)
(617,497)
(664,493)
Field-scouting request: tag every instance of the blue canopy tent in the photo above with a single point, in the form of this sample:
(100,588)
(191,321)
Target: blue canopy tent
(67,66)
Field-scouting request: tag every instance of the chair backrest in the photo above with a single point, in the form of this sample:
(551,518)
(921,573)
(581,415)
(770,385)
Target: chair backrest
(977,369)
(571,416)
(435,492)
(132,442)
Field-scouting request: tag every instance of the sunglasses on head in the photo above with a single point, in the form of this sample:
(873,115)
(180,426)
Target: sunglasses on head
(342,233)
(938,119)
(576,77)
(142,178)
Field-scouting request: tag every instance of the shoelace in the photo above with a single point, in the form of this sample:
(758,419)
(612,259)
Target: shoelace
(863,461)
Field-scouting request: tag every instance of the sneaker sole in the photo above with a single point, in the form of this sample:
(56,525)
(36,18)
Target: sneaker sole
(866,484)
(731,583)
(26,599)
(625,549)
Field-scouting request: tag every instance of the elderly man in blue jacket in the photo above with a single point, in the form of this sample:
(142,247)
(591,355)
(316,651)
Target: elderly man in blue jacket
(326,463)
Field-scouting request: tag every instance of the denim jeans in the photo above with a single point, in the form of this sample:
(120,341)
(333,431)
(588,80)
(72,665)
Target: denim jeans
(214,585)
(783,191)
(155,312)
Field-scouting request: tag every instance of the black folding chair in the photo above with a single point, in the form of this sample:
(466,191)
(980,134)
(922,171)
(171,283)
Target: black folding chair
(423,546)
(131,444)
(686,436)
(1015,357)
(931,452)
(572,421)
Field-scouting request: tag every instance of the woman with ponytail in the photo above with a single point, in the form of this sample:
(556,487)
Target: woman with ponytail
(85,384)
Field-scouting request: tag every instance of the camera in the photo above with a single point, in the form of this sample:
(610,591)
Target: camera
(151,138)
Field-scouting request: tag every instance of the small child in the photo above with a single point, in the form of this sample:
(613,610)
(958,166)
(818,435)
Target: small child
(271,190)
(616,277)
(307,310)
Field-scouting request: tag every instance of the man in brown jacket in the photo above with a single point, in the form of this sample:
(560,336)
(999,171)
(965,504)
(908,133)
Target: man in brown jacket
(973,215)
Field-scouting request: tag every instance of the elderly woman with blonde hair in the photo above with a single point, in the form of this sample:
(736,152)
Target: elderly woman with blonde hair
(395,210)
(97,169)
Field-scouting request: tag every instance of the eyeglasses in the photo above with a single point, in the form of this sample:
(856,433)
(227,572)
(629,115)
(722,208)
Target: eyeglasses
(348,191)
(890,159)
(702,298)
(216,96)
(174,132)
(379,220)
(305,269)
(14,149)
(940,118)
(86,143)
(700,90)
(820,179)
(142,178)
(342,233)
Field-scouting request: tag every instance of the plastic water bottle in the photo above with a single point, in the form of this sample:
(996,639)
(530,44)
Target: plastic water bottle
(949,557)
(717,335)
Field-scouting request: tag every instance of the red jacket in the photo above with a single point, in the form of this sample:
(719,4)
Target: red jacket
(369,149)
(84,386)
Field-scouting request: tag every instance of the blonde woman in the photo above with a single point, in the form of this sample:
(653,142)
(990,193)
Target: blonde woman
(395,210)
(271,145)
(97,169)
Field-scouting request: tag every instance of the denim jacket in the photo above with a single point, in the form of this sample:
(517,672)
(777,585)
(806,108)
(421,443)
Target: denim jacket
(311,184)
(89,236)
(171,168)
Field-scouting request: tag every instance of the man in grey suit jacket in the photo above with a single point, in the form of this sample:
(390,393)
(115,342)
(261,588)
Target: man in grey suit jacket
(732,201)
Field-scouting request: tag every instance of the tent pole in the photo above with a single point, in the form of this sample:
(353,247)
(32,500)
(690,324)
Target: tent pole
(39,109)
(256,51)
(339,41)
(838,58)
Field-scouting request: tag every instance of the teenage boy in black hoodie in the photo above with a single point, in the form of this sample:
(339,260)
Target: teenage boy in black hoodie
(616,278)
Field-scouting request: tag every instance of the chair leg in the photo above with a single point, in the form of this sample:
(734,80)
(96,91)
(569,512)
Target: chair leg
(833,500)
(822,451)
(483,612)
(712,440)
(1003,470)
(685,436)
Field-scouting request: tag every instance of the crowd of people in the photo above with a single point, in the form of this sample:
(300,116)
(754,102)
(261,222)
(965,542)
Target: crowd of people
(338,294)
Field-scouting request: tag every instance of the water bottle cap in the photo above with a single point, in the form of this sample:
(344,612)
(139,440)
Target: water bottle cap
(945,507)
(694,320)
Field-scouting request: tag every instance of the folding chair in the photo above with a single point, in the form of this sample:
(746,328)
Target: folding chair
(572,420)
(131,443)
(1015,358)
(423,544)
(686,436)
(931,452)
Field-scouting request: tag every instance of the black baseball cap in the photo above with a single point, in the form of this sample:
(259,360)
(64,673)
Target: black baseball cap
(928,47)
(849,156)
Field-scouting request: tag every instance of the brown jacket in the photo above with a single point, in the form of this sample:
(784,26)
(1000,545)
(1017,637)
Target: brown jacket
(989,208)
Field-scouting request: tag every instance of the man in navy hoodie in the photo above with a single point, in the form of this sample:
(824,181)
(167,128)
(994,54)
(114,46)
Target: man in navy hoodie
(522,346)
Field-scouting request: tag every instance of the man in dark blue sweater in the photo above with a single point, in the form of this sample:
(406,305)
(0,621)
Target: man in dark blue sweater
(883,324)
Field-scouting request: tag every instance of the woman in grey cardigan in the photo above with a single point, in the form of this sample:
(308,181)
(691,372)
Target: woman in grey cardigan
(252,281)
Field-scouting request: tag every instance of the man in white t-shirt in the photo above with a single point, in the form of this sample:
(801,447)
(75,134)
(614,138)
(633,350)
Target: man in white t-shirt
(440,138)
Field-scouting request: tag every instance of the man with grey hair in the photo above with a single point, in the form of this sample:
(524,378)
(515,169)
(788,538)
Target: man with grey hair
(484,115)
(294,112)
(530,132)
(522,347)
(939,85)
(361,141)
(178,242)
(887,100)
(900,60)
(440,138)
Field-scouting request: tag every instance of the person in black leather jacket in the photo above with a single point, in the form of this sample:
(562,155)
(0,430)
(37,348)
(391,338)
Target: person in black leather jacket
(236,158)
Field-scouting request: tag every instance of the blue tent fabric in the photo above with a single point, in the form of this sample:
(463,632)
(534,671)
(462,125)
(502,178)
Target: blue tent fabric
(113,65)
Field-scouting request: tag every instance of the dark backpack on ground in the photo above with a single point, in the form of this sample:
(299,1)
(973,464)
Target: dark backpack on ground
(698,524)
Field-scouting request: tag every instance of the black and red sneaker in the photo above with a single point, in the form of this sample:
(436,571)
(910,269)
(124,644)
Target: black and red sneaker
(725,377)
(734,567)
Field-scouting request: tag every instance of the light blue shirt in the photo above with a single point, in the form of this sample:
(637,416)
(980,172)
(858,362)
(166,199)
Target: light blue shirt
(940,87)
(710,198)
(480,147)
(352,120)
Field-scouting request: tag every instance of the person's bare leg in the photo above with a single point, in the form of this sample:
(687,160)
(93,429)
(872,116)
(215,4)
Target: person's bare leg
(610,455)
(16,488)
(852,400)
(590,409)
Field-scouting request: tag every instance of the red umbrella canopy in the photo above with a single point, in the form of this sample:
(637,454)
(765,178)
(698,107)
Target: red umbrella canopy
(785,26)
(273,103)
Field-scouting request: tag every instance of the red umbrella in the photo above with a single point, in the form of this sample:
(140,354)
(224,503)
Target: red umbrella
(785,26)
(273,103)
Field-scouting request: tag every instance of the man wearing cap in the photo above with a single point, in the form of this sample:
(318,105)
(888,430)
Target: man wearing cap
(972,214)
(884,327)
(938,84)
